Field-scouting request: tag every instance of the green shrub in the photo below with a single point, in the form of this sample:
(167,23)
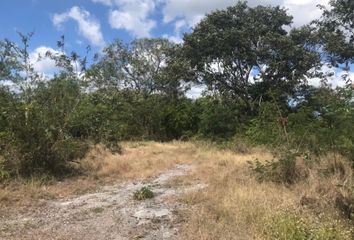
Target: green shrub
(3,172)
(36,138)
(319,124)
(283,226)
(282,170)
(218,117)
(143,193)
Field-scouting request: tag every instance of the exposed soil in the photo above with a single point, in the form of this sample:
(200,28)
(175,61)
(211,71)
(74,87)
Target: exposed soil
(109,213)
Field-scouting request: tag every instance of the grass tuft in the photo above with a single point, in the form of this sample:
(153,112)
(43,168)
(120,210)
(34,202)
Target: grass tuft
(143,193)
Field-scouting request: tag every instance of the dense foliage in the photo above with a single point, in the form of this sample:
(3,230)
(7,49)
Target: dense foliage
(255,69)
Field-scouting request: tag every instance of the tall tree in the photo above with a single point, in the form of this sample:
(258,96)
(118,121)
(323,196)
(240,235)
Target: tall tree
(145,65)
(336,30)
(229,47)
(9,61)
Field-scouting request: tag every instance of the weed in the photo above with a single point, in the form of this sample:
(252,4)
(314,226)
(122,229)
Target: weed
(97,210)
(283,170)
(143,193)
(290,226)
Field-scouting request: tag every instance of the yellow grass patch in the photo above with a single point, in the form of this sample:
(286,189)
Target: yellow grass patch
(236,206)
(139,160)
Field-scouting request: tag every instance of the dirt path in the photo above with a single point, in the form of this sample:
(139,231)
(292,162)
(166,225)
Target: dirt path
(110,213)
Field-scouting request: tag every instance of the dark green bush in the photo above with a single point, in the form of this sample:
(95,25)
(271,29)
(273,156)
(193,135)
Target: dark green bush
(36,139)
(143,193)
(219,117)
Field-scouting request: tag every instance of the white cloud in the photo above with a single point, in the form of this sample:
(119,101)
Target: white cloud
(104,2)
(136,16)
(179,25)
(304,11)
(196,91)
(133,16)
(191,10)
(42,64)
(340,82)
(175,39)
(88,26)
(334,80)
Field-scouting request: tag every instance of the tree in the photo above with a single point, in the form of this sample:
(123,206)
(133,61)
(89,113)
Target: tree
(229,46)
(16,69)
(147,58)
(35,116)
(218,117)
(143,65)
(175,78)
(336,31)
(108,70)
(9,61)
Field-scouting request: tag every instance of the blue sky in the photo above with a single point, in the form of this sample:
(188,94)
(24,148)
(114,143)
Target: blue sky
(98,22)
(38,15)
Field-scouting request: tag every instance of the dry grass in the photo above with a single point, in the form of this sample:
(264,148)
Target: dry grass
(236,206)
(22,194)
(235,203)
(233,206)
(140,160)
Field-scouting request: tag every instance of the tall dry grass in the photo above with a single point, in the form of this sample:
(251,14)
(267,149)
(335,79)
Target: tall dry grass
(237,206)
(139,160)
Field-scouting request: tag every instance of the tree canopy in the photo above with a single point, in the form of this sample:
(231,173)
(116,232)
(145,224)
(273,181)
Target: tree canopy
(229,47)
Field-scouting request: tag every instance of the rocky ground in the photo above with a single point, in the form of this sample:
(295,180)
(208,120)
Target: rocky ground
(109,213)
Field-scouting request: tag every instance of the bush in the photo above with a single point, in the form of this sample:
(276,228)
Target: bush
(36,138)
(289,226)
(143,193)
(98,118)
(219,117)
(320,123)
(283,170)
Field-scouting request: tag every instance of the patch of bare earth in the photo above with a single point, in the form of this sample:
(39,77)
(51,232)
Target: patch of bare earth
(110,213)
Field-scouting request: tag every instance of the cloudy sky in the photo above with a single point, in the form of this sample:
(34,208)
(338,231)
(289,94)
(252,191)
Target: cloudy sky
(97,22)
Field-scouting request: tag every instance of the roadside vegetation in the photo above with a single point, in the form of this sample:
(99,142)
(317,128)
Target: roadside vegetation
(276,152)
